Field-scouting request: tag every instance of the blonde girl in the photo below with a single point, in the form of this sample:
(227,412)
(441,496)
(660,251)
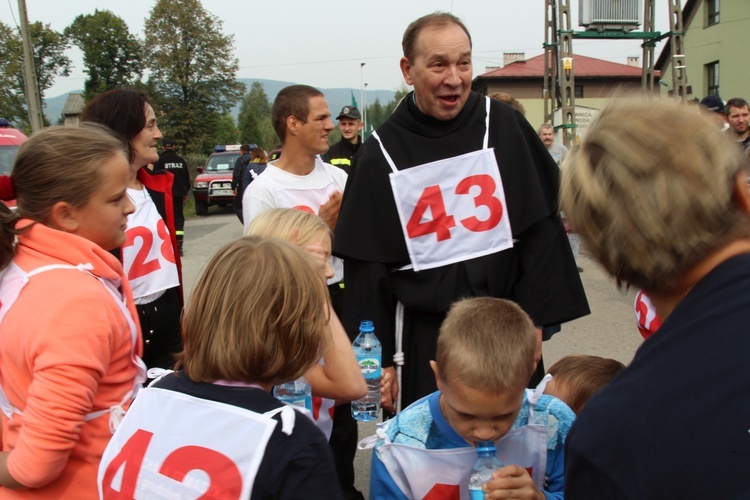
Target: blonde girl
(338,377)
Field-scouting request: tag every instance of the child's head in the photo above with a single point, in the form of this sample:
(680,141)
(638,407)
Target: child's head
(255,315)
(72,178)
(576,378)
(485,357)
(298,226)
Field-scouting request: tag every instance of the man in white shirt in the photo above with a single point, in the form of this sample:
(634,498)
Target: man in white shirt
(299,178)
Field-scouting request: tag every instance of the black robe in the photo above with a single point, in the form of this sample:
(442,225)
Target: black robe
(539,272)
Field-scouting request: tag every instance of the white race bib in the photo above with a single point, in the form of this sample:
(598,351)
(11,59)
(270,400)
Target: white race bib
(440,474)
(452,210)
(172,445)
(147,255)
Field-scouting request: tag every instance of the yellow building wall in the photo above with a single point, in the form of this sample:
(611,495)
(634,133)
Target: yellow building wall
(726,42)
(596,93)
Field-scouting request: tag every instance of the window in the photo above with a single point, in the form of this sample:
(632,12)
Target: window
(712,10)
(578,91)
(712,78)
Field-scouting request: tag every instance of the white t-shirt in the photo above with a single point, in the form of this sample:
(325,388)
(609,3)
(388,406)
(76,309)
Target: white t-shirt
(276,188)
(558,153)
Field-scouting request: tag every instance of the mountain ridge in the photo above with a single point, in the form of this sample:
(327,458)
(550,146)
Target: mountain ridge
(337,97)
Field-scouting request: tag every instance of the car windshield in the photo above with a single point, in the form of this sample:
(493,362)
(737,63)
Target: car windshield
(7,154)
(221,163)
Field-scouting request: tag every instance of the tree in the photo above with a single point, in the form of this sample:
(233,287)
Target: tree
(50,62)
(111,55)
(11,100)
(193,69)
(391,106)
(375,115)
(226,131)
(268,138)
(254,109)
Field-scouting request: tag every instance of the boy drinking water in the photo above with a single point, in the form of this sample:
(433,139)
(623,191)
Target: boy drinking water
(485,357)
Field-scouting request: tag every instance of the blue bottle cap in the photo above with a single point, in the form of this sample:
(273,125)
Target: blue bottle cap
(366,326)
(486,447)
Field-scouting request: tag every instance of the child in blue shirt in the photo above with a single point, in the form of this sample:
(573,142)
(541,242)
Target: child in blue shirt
(485,357)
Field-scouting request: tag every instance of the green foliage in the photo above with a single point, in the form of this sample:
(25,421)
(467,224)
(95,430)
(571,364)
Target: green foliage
(334,136)
(50,62)
(257,101)
(193,70)
(226,131)
(11,98)
(268,138)
(377,114)
(249,126)
(111,55)
(254,109)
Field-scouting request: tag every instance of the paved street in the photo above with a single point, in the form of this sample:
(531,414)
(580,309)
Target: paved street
(609,331)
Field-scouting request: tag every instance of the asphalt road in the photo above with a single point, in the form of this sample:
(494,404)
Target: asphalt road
(609,330)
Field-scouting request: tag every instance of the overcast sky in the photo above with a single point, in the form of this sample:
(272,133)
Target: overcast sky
(322,43)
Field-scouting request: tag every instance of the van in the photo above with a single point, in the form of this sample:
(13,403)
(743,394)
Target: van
(10,140)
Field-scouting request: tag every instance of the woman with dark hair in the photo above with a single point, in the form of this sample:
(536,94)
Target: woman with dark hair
(149,256)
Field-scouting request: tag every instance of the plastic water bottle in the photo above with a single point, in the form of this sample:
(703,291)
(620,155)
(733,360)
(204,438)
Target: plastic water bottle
(487,463)
(296,393)
(369,356)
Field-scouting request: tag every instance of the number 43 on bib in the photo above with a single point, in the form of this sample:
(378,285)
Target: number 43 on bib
(452,210)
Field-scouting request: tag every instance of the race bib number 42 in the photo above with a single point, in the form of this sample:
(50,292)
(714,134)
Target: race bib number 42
(452,210)
(165,449)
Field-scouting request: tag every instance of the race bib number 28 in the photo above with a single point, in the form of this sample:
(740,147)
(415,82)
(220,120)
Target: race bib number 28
(452,210)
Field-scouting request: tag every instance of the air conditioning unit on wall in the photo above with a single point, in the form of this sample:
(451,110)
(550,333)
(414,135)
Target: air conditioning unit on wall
(610,15)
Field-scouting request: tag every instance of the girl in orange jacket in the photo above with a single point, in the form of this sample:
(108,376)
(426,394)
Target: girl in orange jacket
(69,340)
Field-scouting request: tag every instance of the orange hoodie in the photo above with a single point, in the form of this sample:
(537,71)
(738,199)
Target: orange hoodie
(65,351)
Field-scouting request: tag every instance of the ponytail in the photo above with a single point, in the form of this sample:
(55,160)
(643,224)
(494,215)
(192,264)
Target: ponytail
(8,232)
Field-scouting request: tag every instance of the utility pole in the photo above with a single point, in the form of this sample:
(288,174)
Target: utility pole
(559,83)
(29,73)
(361,84)
(364,115)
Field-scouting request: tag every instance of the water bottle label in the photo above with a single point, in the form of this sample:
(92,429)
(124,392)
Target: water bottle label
(300,402)
(370,367)
(476,494)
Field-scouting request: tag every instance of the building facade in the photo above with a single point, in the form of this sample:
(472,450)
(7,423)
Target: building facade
(596,81)
(716,44)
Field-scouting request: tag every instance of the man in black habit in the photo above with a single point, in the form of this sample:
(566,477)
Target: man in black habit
(453,196)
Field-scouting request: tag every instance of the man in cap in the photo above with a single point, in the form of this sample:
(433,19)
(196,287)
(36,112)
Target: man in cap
(342,153)
(714,106)
(169,160)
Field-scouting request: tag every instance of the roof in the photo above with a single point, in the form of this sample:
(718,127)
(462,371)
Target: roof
(586,67)
(73,105)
